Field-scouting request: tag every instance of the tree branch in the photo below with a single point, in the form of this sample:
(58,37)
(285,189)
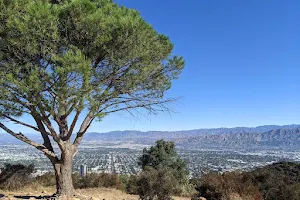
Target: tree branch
(23,138)
(43,131)
(73,124)
(44,119)
(83,128)
(24,124)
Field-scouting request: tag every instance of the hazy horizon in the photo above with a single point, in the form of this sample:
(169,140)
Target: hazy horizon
(179,130)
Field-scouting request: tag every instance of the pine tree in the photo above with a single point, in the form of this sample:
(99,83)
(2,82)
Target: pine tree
(61,61)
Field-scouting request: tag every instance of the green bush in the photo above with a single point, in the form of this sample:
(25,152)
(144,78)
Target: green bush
(123,181)
(163,156)
(157,184)
(164,172)
(128,183)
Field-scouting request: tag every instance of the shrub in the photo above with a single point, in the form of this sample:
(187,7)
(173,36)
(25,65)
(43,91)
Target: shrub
(123,181)
(89,181)
(278,181)
(159,184)
(96,180)
(188,190)
(213,186)
(164,156)
(16,176)
(47,179)
(128,183)
(162,159)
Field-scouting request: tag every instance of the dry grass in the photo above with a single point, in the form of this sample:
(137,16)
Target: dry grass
(96,193)
(30,191)
(113,194)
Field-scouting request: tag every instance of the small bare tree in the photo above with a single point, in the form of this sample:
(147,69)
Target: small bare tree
(62,61)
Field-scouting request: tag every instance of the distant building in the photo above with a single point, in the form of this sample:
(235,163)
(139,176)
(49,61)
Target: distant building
(220,171)
(83,170)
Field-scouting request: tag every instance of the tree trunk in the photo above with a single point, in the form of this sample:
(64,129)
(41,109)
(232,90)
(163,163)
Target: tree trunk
(63,175)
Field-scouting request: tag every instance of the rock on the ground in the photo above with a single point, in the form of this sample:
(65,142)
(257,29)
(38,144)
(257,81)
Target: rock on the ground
(198,198)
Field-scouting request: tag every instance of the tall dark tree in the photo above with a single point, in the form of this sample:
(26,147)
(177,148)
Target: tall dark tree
(61,61)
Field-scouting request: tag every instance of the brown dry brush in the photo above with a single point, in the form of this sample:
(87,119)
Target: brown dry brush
(214,186)
(16,176)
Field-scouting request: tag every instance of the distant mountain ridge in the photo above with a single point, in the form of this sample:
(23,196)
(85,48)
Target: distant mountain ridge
(277,138)
(268,136)
(187,133)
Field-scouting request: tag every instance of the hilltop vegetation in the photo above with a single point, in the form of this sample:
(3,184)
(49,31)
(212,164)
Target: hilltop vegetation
(272,182)
(164,174)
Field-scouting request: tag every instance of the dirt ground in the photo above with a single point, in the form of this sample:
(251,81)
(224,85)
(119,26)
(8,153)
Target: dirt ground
(94,193)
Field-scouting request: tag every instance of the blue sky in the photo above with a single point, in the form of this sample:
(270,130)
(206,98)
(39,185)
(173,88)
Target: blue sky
(242,64)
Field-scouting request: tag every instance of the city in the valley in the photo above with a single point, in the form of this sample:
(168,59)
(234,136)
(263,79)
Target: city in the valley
(108,159)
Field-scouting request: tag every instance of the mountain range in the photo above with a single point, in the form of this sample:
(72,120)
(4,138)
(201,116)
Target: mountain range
(268,136)
(277,138)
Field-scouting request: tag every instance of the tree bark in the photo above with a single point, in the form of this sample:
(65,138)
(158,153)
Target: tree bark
(63,174)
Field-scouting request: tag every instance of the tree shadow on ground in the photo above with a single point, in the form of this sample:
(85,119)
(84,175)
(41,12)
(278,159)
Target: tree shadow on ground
(35,197)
